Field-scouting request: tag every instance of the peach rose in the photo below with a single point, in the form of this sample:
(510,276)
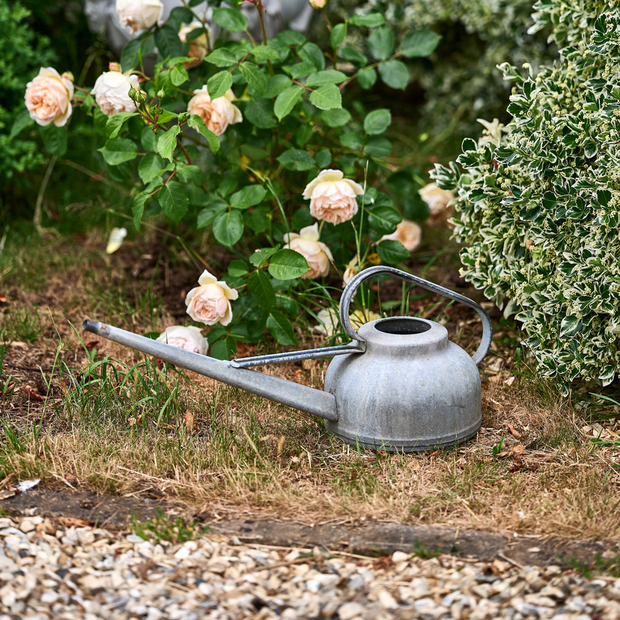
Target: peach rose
(332,197)
(48,97)
(216,114)
(139,14)
(189,338)
(438,201)
(111,92)
(209,303)
(328,322)
(308,245)
(408,233)
(197,46)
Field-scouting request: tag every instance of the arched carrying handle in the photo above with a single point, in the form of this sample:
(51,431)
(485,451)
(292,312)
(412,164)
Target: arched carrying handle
(351,288)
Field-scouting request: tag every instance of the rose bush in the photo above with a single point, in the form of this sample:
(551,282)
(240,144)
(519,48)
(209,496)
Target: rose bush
(258,145)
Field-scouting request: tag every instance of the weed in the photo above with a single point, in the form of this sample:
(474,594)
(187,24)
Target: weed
(164,527)
(420,550)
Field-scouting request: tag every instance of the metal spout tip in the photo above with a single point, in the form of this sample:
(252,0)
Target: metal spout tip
(91,326)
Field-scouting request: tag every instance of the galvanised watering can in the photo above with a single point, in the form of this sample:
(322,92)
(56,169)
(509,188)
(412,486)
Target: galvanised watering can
(400,385)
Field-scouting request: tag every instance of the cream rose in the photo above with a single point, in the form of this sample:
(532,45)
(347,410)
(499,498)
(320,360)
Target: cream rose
(115,240)
(408,233)
(332,197)
(209,303)
(188,338)
(318,4)
(308,245)
(438,201)
(328,322)
(111,92)
(359,317)
(197,46)
(353,268)
(216,114)
(139,14)
(48,97)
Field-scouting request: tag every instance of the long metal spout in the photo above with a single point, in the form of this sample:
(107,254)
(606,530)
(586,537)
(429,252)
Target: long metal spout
(292,394)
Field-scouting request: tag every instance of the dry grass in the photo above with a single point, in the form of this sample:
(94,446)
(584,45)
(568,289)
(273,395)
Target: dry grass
(135,427)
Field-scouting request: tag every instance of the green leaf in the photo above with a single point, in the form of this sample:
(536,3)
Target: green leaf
(311,52)
(260,256)
(223,57)
(384,219)
(570,326)
(205,132)
(331,76)
(351,140)
(237,268)
(291,37)
(394,73)
(367,78)
(148,139)
(115,123)
(254,76)
(276,84)
(259,286)
(228,227)
(223,349)
(138,208)
(336,118)
(210,212)
(260,113)
(381,43)
(130,54)
(247,197)
(190,173)
(54,139)
(173,201)
(280,328)
(22,120)
(338,35)
(149,168)
(286,101)
(353,55)
(372,20)
(181,14)
(264,52)
(119,150)
(288,265)
(392,252)
(230,19)
(218,84)
(377,121)
(323,158)
(420,43)
(168,43)
(294,159)
(167,142)
(326,97)
(378,147)
(301,70)
(179,75)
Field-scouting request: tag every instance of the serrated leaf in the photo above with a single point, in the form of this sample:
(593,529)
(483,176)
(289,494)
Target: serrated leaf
(353,55)
(218,84)
(371,20)
(228,227)
(210,212)
(323,159)
(248,196)
(367,78)
(377,121)
(260,113)
(149,168)
(394,74)
(384,219)
(137,208)
(330,76)
(230,19)
(264,52)
(190,173)
(311,52)
(280,328)
(276,84)
(286,101)
(115,123)
(378,147)
(260,256)
(129,55)
(178,75)
(381,43)
(168,43)
(288,265)
(237,268)
(119,150)
(212,140)
(254,76)
(167,142)
(22,120)
(261,289)
(392,252)
(338,35)
(173,201)
(222,57)
(295,159)
(326,97)
(336,118)
(420,43)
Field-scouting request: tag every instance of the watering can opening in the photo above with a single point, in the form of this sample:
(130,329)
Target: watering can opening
(402,326)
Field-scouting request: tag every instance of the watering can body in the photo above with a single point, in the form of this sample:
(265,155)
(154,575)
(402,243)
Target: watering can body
(400,385)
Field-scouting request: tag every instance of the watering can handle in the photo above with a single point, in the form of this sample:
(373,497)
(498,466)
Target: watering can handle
(351,288)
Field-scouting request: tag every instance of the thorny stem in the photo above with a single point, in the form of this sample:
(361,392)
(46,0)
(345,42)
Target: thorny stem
(187,157)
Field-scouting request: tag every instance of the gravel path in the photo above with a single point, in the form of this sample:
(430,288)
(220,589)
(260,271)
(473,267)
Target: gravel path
(51,571)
